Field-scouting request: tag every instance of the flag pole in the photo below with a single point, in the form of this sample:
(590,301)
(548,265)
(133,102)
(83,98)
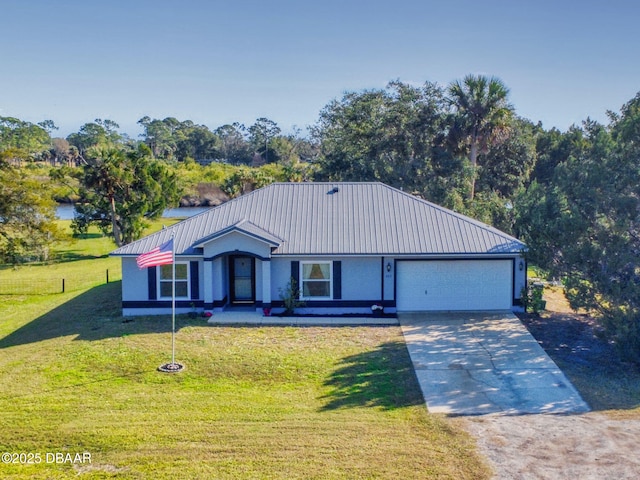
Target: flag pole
(154,258)
(173,366)
(173,301)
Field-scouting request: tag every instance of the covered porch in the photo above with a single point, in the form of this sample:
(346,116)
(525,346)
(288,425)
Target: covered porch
(239,280)
(237,268)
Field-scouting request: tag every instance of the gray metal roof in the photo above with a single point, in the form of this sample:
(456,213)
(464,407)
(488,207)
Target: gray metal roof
(336,219)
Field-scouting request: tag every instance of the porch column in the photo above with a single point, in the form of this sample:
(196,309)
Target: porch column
(266,282)
(220,279)
(208,282)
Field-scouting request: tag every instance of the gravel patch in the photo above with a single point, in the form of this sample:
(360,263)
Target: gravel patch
(587,446)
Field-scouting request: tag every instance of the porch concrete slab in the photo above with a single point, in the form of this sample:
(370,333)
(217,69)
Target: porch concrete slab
(475,363)
(255,318)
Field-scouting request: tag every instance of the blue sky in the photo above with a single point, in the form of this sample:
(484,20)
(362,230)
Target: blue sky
(216,62)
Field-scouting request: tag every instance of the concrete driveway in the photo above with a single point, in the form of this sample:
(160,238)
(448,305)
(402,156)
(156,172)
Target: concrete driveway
(474,363)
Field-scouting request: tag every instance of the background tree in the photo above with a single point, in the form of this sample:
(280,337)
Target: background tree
(283,150)
(245,179)
(23,141)
(260,134)
(234,147)
(583,226)
(554,147)
(505,171)
(121,189)
(63,153)
(196,142)
(296,156)
(48,125)
(98,134)
(507,166)
(305,146)
(27,217)
(158,135)
(388,135)
(481,116)
(171,139)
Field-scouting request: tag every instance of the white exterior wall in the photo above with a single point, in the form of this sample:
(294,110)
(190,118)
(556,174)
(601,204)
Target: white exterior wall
(258,280)
(220,275)
(135,286)
(265,287)
(520,277)
(135,283)
(360,276)
(207,285)
(389,278)
(280,275)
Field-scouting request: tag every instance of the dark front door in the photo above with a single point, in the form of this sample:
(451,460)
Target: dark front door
(241,269)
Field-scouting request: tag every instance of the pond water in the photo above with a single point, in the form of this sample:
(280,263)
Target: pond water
(65,212)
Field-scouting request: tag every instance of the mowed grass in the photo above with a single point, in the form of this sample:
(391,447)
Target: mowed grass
(253,402)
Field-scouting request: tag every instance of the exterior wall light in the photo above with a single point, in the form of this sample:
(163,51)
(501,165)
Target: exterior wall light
(521,265)
(389,266)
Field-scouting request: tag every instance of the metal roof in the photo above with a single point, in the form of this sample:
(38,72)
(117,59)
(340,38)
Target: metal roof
(335,219)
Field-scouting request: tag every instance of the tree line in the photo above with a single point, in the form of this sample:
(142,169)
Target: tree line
(168,139)
(571,195)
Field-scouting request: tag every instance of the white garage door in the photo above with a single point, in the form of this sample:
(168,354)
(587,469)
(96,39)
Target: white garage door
(454,285)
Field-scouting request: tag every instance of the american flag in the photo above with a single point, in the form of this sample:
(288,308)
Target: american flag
(162,255)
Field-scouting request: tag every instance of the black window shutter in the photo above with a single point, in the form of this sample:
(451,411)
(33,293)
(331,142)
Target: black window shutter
(337,280)
(295,274)
(151,277)
(195,281)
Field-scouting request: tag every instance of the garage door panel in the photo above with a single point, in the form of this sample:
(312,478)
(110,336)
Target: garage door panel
(454,285)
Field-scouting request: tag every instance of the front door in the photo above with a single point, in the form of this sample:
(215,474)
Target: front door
(241,269)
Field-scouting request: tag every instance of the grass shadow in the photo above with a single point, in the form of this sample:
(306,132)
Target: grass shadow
(382,378)
(62,256)
(92,315)
(86,236)
(73,256)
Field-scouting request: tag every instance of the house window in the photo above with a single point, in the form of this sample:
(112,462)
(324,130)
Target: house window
(165,278)
(316,279)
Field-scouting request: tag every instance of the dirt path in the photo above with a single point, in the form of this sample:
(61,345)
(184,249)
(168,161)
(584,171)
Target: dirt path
(588,446)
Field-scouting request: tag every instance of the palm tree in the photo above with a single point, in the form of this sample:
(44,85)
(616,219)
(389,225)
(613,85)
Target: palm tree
(482,115)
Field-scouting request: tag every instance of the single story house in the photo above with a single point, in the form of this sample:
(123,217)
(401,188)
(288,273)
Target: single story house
(347,247)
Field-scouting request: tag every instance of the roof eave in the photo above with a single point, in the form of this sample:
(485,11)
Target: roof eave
(210,238)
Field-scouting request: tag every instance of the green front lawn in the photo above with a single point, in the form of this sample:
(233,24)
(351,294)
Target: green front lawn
(276,402)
